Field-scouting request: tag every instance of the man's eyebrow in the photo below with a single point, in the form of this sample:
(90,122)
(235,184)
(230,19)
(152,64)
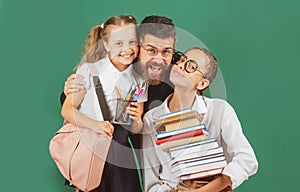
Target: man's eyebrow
(156,47)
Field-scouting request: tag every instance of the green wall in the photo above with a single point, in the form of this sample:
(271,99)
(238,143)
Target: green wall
(256,43)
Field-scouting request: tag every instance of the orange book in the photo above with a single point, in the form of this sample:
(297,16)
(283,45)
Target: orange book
(181,124)
(177,117)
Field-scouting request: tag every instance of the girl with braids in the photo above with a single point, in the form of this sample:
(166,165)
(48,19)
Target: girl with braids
(111,47)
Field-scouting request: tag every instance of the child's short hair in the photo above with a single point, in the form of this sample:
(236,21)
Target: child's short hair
(211,67)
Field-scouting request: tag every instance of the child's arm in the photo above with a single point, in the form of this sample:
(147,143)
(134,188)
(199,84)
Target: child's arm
(71,114)
(136,112)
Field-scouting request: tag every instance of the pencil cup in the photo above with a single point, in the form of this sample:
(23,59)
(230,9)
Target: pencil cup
(121,116)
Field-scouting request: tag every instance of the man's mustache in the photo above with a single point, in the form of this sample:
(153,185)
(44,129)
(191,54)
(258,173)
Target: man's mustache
(155,64)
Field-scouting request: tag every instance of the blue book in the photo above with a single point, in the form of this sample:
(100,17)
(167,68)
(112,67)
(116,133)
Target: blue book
(180,131)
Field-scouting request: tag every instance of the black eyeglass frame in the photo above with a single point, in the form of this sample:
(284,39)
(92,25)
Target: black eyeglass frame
(177,55)
(158,51)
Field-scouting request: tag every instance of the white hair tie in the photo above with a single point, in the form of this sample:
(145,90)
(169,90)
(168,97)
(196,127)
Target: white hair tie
(102,25)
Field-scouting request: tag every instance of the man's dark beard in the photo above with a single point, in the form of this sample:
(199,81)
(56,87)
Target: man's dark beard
(157,79)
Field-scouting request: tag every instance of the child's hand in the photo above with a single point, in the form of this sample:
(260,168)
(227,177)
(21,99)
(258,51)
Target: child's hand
(104,126)
(135,112)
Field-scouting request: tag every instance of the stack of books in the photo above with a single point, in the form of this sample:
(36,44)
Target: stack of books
(197,160)
(178,119)
(185,139)
(179,128)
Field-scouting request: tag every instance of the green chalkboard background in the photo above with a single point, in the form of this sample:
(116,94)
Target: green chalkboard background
(256,43)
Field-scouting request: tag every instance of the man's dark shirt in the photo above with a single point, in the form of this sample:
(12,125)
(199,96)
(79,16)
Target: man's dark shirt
(156,95)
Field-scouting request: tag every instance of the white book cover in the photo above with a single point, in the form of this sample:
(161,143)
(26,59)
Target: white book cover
(192,163)
(192,144)
(194,149)
(202,174)
(200,168)
(199,158)
(211,152)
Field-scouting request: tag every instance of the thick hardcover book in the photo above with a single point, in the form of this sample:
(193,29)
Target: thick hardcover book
(177,117)
(167,145)
(192,144)
(202,174)
(181,136)
(212,152)
(200,168)
(196,162)
(179,112)
(194,149)
(175,125)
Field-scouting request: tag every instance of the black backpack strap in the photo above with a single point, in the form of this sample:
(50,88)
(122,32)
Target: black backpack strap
(100,94)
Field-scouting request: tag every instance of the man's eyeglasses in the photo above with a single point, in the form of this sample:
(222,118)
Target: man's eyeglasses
(153,51)
(190,66)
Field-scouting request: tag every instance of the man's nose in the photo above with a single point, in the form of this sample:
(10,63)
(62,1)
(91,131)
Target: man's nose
(158,58)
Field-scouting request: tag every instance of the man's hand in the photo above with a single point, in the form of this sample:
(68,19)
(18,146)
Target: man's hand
(74,84)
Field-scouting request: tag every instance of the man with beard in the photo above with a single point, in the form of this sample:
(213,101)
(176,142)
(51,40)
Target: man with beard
(157,39)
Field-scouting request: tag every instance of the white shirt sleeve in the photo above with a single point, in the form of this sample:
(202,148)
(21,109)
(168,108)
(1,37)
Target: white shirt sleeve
(84,71)
(157,168)
(243,163)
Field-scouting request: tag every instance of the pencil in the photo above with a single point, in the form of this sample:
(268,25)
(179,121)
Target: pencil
(119,96)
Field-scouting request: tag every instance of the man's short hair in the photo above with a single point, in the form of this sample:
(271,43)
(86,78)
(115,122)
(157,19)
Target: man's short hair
(158,26)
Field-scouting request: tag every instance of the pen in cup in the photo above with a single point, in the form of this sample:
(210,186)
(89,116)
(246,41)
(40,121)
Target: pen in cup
(119,96)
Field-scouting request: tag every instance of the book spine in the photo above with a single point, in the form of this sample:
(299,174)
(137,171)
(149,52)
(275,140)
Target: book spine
(174,113)
(180,131)
(216,151)
(202,174)
(192,144)
(201,168)
(198,148)
(167,145)
(196,163)
(178,117)
(181,136)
